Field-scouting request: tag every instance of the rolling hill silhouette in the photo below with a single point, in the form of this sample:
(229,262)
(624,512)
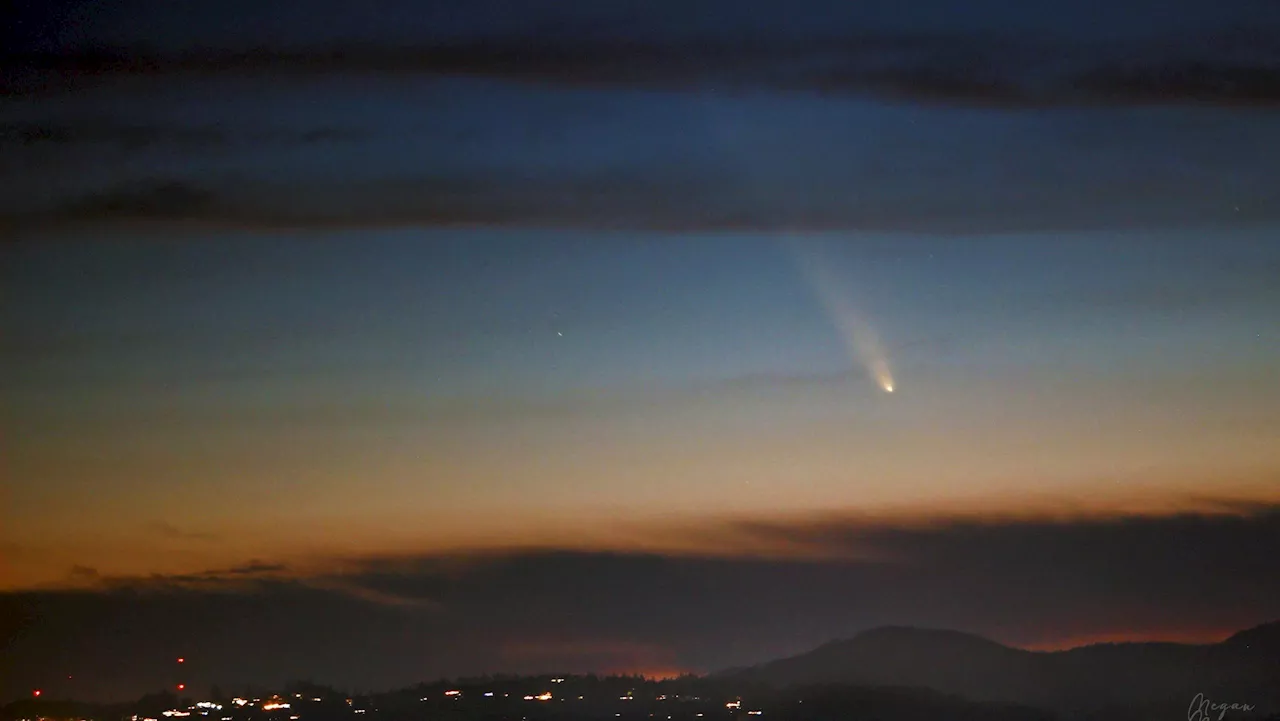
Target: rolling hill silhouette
(1120,679)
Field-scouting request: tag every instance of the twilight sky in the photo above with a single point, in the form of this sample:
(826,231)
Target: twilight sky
(448,337)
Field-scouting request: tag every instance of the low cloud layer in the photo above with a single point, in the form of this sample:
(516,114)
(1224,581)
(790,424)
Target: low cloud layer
(384,621)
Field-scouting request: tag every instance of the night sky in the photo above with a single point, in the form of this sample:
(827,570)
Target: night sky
(401,339)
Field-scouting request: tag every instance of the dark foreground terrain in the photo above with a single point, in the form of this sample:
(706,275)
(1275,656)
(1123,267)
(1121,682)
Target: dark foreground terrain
(889,673)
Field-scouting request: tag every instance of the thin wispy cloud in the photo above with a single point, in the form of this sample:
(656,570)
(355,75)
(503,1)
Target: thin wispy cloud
(169,530)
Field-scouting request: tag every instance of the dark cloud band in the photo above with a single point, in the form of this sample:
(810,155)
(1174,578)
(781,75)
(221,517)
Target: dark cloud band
(957,70)
(431,616)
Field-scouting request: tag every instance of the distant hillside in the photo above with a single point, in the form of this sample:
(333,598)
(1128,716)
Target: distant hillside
(1261,639)
(1146,679)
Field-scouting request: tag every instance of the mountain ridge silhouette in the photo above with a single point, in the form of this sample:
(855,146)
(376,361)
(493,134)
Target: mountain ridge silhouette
(1156,677)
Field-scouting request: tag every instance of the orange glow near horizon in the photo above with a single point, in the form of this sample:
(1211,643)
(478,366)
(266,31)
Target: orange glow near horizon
(668,472)
(723,535)
(1186,636)
(660,674)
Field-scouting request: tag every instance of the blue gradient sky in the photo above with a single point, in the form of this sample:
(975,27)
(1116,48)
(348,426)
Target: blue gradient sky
(426,388)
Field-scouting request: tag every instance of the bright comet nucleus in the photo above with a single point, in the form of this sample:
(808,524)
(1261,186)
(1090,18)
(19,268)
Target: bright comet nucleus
(860,339)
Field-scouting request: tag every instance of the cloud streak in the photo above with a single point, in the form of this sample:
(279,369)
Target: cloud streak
(80,132)
(989,71)
(656,201)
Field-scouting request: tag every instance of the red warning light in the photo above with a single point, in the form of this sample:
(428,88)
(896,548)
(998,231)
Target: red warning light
(181,660)
(182,687)
(37,692)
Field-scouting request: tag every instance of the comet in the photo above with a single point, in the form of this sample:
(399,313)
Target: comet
(861,341)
